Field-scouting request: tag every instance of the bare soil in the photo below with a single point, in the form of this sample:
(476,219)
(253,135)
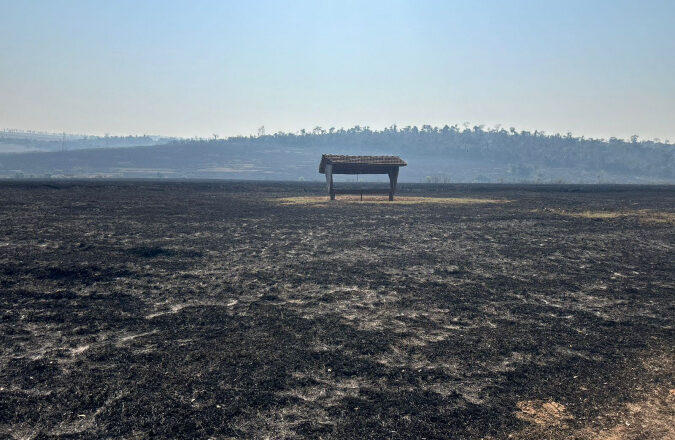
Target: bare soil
(215,310)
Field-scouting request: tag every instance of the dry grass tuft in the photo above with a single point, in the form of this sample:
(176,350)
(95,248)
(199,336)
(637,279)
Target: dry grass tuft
(643,215)
(324,201)
(657,217)
(597,214)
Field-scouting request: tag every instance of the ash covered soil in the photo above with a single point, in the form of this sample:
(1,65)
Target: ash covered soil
(211,310)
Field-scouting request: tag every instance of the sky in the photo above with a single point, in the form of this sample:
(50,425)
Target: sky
(597,68)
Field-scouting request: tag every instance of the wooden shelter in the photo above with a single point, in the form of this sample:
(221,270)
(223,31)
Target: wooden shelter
(340,164)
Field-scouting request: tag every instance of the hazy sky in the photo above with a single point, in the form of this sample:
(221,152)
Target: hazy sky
(193,68)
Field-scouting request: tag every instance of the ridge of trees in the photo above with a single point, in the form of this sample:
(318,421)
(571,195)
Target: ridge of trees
(449,153)
(522,149)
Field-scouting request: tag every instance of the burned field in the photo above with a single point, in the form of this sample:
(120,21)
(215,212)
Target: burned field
(212,310)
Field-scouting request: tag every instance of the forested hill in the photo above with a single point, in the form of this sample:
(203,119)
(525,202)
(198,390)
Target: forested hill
(16,141)
(448,154)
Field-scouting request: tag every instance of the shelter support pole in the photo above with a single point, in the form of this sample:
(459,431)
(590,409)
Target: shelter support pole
(329,181)
(393,178)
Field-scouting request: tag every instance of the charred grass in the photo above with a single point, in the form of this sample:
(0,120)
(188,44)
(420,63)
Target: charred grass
(210,310)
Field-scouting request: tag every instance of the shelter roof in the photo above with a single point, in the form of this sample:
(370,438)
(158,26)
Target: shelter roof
(354,163)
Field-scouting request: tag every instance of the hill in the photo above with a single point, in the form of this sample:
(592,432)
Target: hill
(434,155)
(22,141)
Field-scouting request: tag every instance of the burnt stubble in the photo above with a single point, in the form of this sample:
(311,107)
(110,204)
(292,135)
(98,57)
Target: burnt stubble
(210,310)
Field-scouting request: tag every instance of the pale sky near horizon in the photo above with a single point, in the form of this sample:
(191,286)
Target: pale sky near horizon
(597,68)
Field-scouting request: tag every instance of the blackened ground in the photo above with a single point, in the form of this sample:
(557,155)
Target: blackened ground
(206,309)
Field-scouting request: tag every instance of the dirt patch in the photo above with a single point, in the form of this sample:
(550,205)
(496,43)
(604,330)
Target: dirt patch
(544,413)
(398,200)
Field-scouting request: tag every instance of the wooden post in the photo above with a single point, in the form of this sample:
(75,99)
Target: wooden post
(329,181)
(393,178)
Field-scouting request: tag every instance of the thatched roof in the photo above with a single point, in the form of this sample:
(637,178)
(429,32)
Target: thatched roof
(360,164)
